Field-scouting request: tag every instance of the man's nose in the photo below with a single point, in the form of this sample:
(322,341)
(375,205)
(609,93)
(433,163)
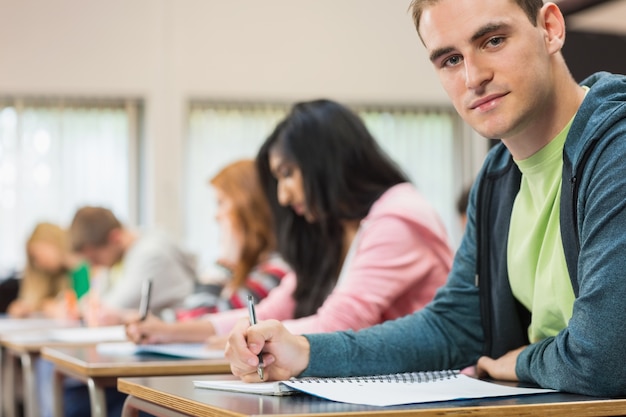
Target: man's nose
(476,73)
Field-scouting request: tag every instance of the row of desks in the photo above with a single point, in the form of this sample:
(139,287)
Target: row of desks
(25,344)
(164,387)
(99,371)
(15,337)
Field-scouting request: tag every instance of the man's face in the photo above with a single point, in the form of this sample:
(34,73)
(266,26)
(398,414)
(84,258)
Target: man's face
(491,60)
(105,255)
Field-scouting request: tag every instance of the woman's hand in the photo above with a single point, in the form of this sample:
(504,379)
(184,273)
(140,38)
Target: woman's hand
(19,309)
(148,331)
(216,342)
(284,354)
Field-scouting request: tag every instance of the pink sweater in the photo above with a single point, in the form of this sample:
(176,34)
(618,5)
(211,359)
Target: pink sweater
(400,258)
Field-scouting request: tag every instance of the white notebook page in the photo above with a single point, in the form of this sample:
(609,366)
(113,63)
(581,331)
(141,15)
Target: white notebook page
(382,392)
(397,389)
(88,334)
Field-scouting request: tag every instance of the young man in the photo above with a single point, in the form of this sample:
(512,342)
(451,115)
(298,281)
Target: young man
(537,289)
(130,258)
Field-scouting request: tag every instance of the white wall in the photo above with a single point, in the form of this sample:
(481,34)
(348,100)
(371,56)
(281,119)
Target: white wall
(168,51)
(608,17)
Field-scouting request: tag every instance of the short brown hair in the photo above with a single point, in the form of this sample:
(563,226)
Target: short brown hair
(91,227)
(530,7)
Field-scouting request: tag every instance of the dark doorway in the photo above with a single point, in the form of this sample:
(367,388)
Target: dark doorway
(586,53)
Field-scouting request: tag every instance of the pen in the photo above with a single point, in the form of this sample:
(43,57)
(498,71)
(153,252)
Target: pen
(144,304)
(252,315)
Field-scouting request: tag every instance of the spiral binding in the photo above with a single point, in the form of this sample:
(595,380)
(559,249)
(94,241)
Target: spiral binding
(407,377)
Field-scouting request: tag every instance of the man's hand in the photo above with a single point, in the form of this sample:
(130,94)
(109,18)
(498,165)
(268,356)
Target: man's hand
(284,354)
(502,368)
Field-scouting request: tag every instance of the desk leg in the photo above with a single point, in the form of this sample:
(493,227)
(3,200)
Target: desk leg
(30,389)
(2,380)
(9,398)
(57,392)
(97,399)
(133,405)
(130,408)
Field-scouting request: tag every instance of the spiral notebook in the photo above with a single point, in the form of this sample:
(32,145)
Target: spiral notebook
(381,390)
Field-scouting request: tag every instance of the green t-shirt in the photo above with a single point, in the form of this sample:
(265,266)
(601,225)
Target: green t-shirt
(80,280)
(536,262)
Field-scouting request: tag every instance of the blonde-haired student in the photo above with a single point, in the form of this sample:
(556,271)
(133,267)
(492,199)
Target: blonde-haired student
(54,277)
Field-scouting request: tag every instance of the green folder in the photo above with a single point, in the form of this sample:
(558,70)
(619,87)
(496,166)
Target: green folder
(80,280)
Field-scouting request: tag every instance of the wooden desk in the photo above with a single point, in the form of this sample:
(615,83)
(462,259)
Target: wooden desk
(12,331)
(177,397)
(99,371)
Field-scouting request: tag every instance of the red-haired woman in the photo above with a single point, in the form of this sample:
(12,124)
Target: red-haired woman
(247,264)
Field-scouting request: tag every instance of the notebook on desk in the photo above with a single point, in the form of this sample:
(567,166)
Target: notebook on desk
(178,350)
(381,390)
(263,388)
(88,334)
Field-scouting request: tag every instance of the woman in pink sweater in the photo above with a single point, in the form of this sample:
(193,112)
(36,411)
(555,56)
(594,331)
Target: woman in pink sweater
(363,244)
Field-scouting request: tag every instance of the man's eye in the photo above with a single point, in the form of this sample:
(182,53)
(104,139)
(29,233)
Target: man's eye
(452,61)
(495,41)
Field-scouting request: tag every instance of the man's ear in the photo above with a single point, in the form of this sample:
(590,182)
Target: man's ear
(115,236)
(551,20)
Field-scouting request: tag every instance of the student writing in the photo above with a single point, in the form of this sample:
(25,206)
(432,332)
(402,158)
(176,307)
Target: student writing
(53,276)
(365,246)
(129,257)
(536,291)
(247,264)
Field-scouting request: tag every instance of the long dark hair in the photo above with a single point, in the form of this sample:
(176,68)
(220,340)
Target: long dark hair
(344,172)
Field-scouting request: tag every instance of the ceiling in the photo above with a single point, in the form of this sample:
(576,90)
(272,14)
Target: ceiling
(600,16)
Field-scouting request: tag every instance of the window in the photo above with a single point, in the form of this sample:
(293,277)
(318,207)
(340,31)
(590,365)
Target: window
(57,155)
(424,142)
(218,135)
